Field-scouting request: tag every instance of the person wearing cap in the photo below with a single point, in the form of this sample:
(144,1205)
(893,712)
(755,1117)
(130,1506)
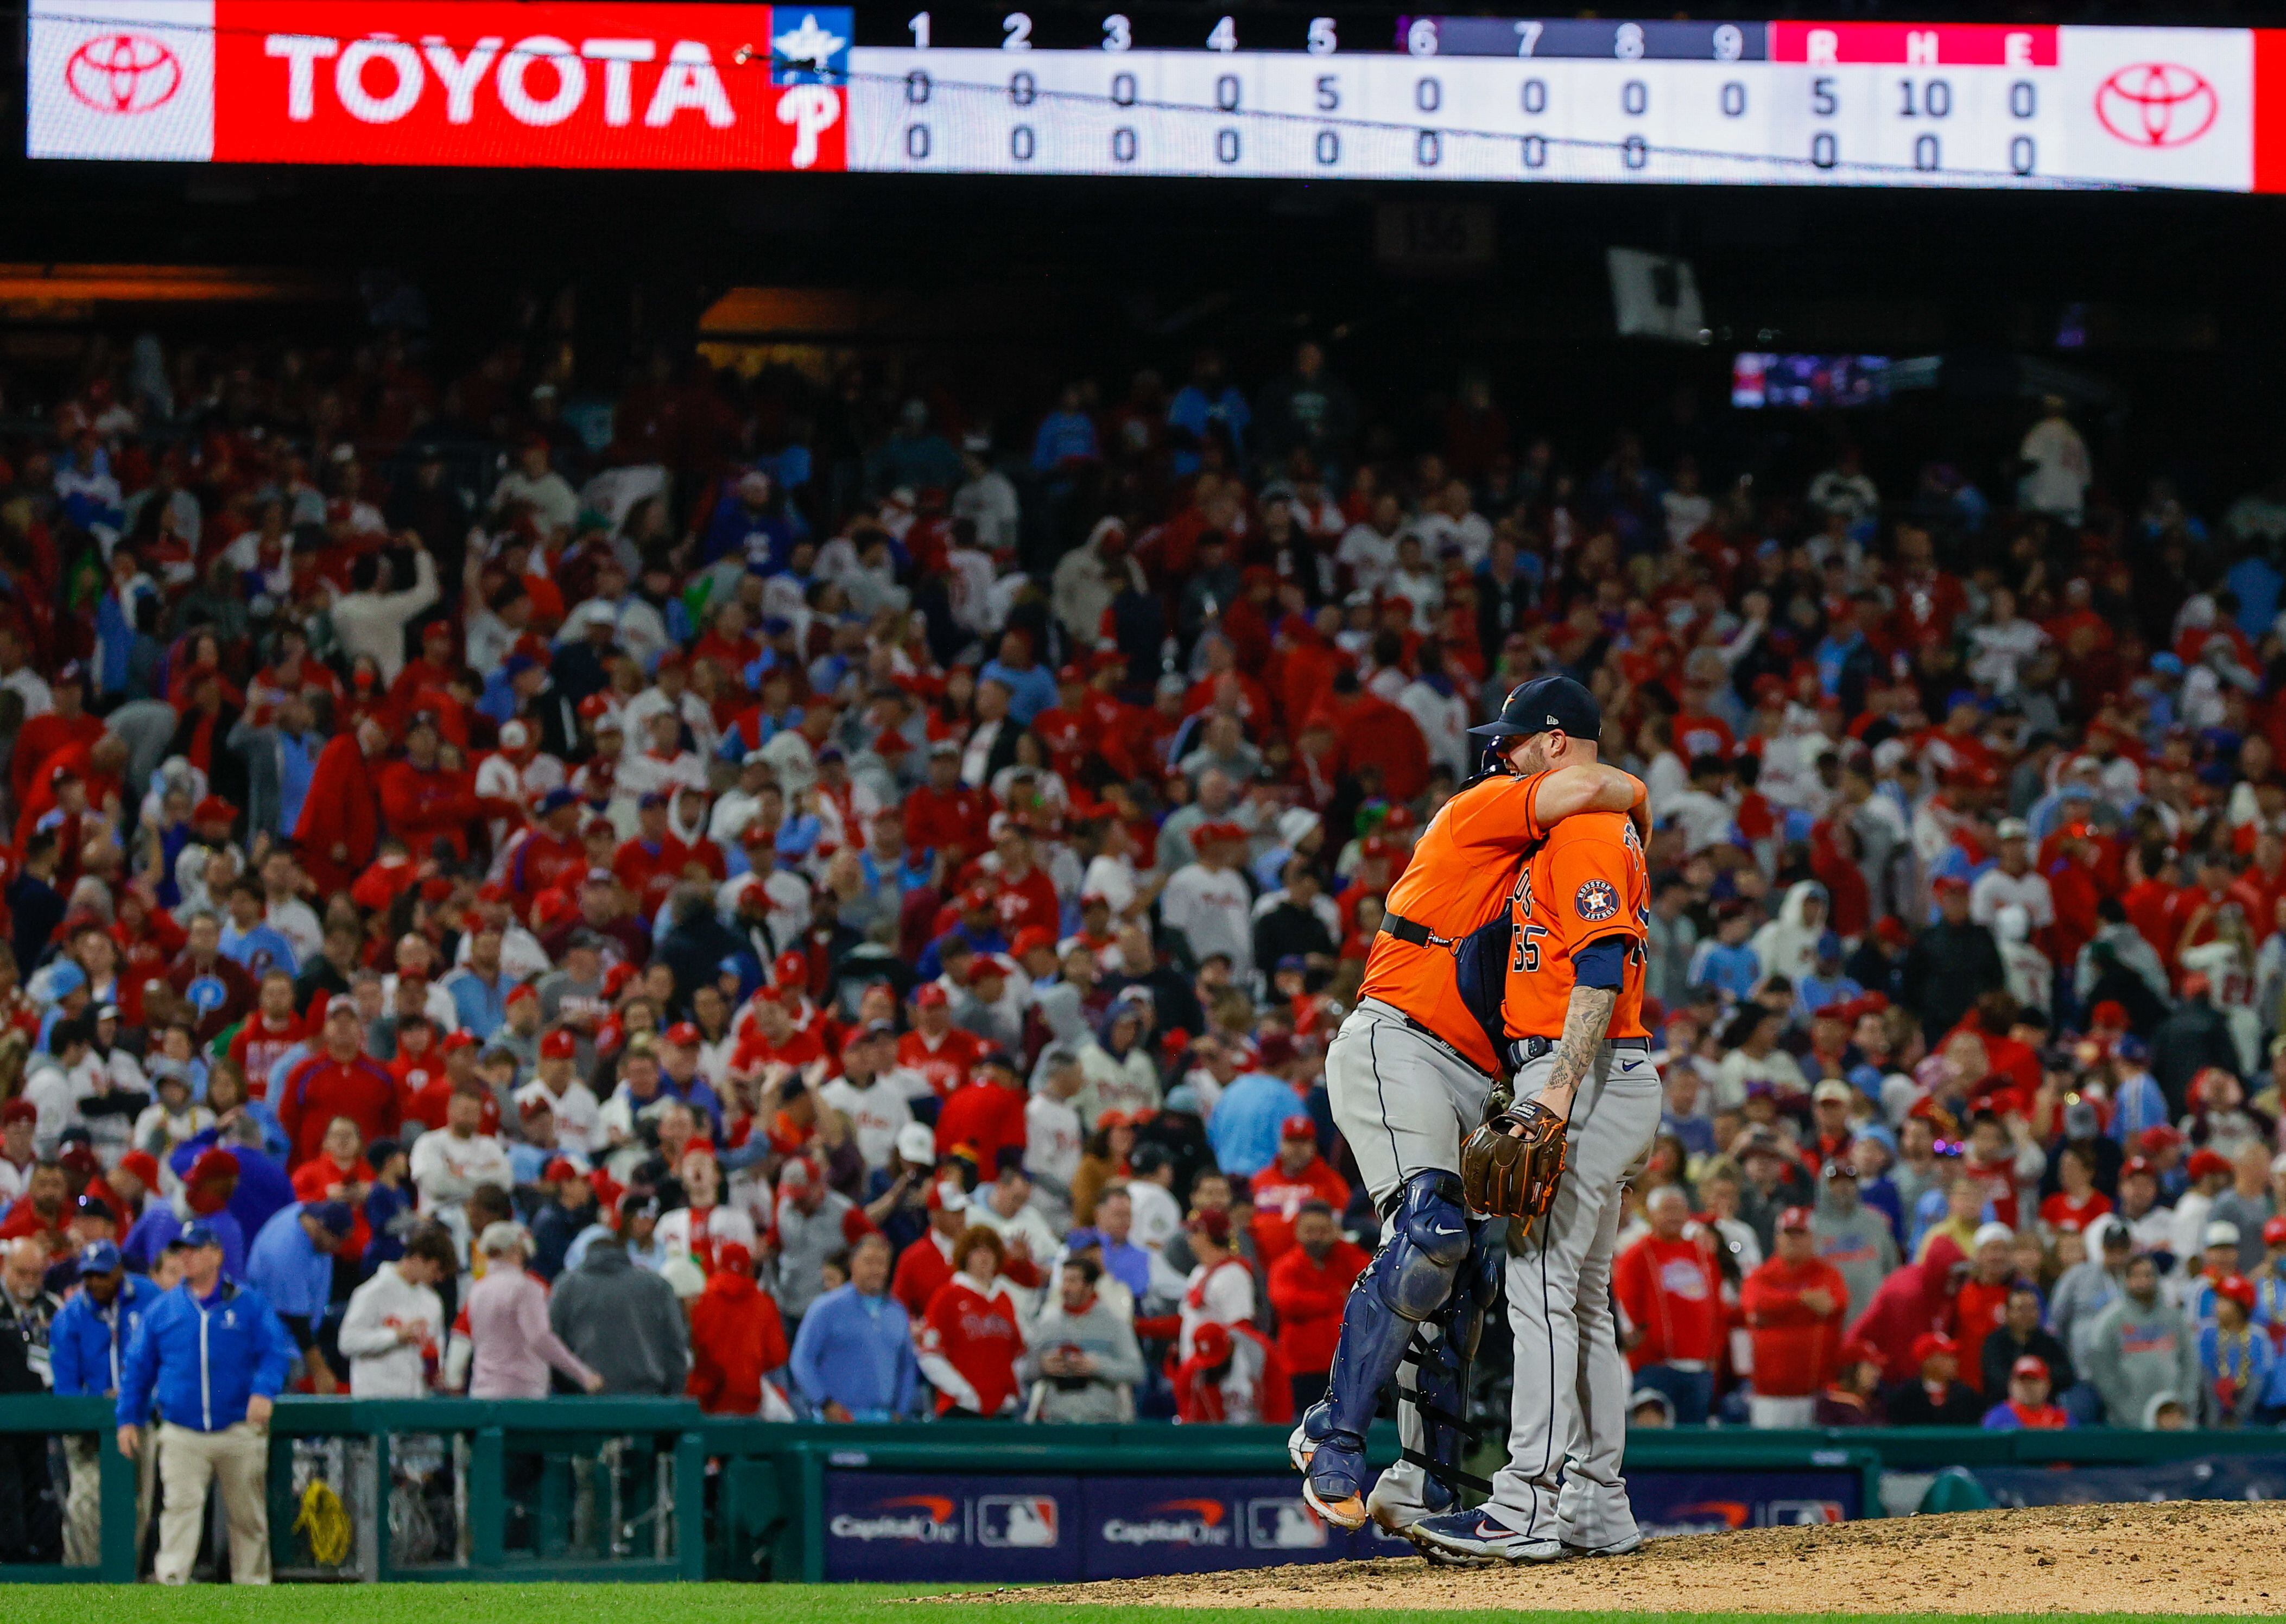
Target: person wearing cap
(1792,1307)
(876,1106)
(87,1344)
(1298,1176)
(1952,962)
(1208,903)
(812,1223)
(2237,1357)
(738,1349)
(425,801)
(2211,1175)
(2013,881)
(578,1114)
(2081,1293)
(209,1361)
(291,1263)
(2140,1349)
(340,1079)
(394,1324)
(928,1263)
(512,1345)
(1980,1304)
(2028,1382)
(1409,1071)
(1249,1117)
(1935,1395)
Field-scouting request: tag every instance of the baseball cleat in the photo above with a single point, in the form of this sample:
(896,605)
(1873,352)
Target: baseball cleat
(1333,1475)
(1617,1548)
(1474,1539)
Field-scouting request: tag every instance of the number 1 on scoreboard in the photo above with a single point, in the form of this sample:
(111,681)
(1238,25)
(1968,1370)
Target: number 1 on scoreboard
(918,22)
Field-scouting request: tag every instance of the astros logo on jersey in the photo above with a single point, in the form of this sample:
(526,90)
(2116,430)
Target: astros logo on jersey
(1597,900)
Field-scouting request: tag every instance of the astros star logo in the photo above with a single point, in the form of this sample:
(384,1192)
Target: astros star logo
(808,46)
(1597,900)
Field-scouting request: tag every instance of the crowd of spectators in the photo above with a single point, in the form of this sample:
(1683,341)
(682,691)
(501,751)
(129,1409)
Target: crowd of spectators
(839,913)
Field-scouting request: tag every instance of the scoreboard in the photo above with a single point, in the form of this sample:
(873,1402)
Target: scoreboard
(611,83)
(1487,98)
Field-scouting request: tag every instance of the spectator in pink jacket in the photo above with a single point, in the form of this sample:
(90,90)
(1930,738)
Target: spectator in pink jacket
(511,1342)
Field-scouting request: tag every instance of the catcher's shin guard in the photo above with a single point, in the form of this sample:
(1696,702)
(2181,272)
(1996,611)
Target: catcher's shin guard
(1439,1390)
(1408,1280)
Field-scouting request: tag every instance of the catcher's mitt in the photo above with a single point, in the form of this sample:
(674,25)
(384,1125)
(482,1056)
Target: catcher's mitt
(1511,1164)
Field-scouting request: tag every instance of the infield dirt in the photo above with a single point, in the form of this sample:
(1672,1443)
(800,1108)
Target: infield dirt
(2200,1556)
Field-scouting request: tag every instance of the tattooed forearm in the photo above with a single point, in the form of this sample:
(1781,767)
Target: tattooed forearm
(1585,1024)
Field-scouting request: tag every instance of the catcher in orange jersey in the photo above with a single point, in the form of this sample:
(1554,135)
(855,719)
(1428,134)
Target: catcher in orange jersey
(1407,1077)
(1551,1156)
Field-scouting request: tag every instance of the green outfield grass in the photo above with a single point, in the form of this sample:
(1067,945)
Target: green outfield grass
(724,1603)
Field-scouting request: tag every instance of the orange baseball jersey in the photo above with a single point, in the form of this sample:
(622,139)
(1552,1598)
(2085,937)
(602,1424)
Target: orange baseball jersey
(1585,883)
(1461,866)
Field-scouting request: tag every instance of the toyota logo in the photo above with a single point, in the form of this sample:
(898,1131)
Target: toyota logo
(123,72)
(2156,104)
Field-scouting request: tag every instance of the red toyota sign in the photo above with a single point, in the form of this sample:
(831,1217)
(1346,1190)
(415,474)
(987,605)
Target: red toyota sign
(507,85)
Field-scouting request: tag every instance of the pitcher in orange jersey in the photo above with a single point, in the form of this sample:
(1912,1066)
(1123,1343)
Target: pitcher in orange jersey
(1406,1077)
(1572,1014)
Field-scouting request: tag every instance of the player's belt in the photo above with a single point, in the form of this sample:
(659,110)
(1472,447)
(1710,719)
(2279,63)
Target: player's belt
(1412,931)
(1524,1051)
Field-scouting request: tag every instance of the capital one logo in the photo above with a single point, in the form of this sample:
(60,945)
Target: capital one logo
(122,73)
(2157,105)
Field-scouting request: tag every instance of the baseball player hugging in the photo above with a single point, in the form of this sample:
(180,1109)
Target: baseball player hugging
(1420,1066)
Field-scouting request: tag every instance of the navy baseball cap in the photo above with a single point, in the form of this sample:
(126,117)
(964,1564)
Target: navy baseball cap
(99,1257)
(198,1231)
(333,1216)
(1542,704)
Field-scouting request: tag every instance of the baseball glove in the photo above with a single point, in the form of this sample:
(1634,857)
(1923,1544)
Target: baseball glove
(1511,1164)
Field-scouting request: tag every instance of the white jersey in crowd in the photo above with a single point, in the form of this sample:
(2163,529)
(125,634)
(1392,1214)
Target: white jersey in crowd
(1214,909)
(383,1365)
(1223,1294)
(875,1114)
(579,1114)
(1995,889)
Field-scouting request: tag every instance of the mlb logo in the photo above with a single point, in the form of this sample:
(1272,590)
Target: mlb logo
(1017,1522)
(1284,1524)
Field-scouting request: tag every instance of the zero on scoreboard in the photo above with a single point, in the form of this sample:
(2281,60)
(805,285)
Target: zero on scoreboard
(615,83)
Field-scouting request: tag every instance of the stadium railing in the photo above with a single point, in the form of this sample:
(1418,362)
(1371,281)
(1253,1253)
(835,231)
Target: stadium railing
(654,1489)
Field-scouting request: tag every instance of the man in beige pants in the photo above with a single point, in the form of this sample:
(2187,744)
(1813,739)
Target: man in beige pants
(208,1357)
(87,1344)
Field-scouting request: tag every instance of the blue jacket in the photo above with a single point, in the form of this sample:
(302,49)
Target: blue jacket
(857,1351)
(88,1342)
(198,1362)
(287,1269)
(160,1224)
(1247,1121)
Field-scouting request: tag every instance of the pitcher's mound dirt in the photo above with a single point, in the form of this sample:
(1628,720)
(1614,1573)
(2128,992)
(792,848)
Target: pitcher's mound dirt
(2194,1557)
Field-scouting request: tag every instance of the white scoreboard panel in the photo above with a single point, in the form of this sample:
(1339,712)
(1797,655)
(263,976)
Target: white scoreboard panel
(1477,99)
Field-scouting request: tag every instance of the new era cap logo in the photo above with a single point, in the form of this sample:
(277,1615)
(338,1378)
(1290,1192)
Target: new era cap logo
(1553,722)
